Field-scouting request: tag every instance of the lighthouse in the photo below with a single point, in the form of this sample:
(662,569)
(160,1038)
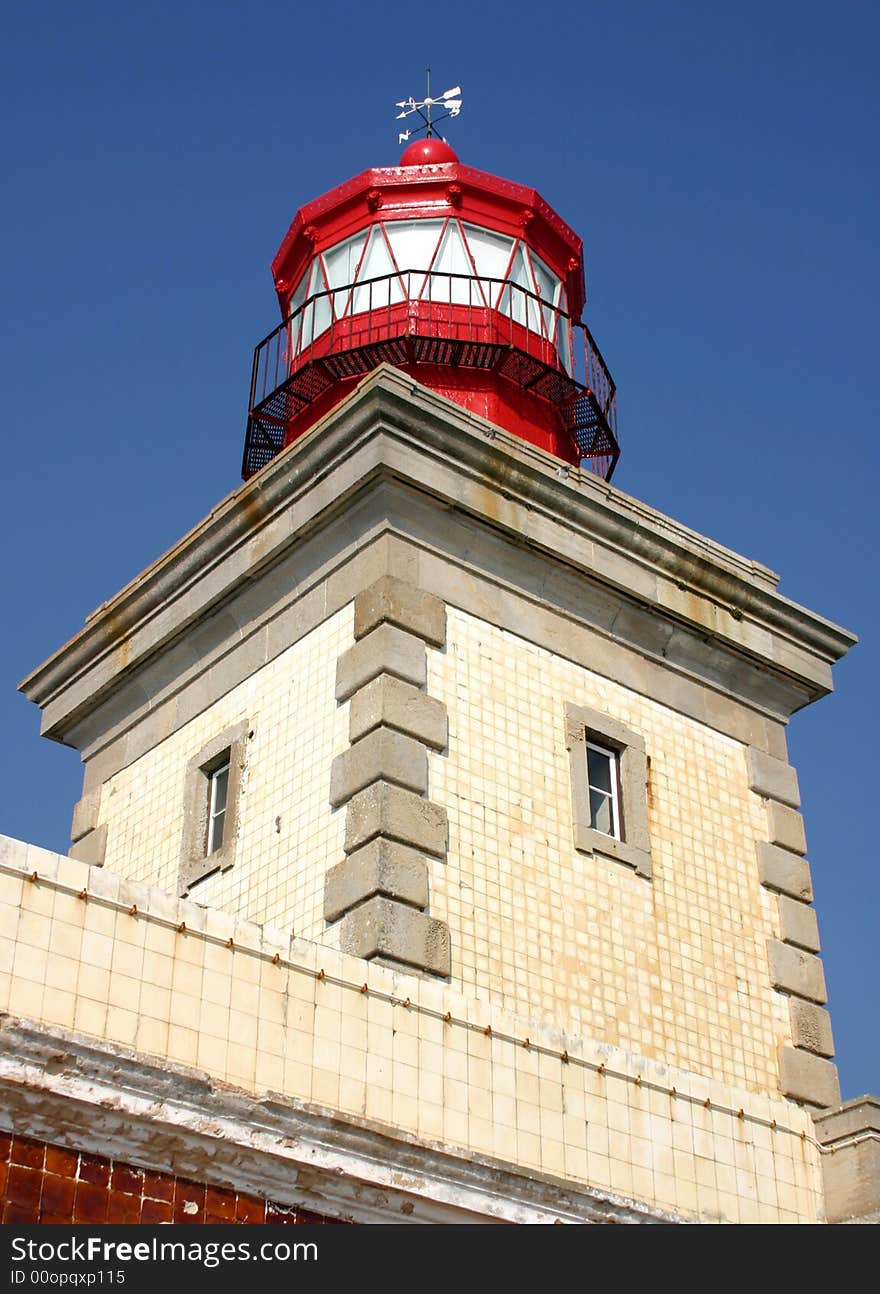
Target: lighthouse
(438,856)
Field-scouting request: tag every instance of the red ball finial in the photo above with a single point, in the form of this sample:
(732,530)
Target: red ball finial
(428,152)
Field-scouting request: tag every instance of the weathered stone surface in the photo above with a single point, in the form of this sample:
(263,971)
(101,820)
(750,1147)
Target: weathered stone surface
(90,848)
(852,1173)
(390,811)
(382,755)
(85,815)
(390,702)
(382,867)
(811,1027)
(396,602)
(809,1078)
(382,928)
(786,827)
(795,971)
(798,924)
(781,870)
(385,650)
(773,778)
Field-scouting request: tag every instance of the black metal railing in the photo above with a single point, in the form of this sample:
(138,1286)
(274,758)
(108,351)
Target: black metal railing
(419,316)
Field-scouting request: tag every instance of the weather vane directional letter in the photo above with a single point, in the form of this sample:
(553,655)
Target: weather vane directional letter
(449,102)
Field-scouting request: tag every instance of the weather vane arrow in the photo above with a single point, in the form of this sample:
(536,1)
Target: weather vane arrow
(448,103)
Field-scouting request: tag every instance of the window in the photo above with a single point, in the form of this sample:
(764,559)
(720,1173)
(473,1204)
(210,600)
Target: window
(219,784)
(609,780)
(211,802)
(604,790)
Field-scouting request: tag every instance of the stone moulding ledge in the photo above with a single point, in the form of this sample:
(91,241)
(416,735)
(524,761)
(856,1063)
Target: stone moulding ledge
(61,1087)
(389,413)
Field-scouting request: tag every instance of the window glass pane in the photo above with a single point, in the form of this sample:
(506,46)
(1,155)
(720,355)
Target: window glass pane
(548,290)
(343,259)
(548,283)
(221,781)
(342,262)
(296,301)
(413,242)
(299,292)
(377,263)
(563,344)
(218,783)
(601,817)
(599,768)
(521,308)
(512,304)
(452,258)
(316,316)
(215,835)
(491,253)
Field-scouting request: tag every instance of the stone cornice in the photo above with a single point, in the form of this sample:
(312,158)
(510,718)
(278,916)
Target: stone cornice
(395,428)
(64,1087)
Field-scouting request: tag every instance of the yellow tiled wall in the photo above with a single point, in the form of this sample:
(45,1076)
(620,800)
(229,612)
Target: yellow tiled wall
(288,836)
(674,967)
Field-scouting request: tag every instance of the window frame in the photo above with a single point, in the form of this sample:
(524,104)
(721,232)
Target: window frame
(631,845)
(215,814)
(612,795)
(227,749)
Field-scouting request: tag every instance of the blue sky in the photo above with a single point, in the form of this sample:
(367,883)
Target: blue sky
(719,162)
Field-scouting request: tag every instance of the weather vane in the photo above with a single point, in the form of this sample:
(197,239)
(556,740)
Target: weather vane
(449,102)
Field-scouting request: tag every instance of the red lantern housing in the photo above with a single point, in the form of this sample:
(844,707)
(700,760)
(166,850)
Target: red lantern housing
(472,284)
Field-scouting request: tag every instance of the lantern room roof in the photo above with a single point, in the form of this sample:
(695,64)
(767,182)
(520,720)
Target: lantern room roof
(430,189)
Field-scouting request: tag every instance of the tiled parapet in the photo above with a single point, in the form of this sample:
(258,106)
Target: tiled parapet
(805,1071)
(392,830)
(135,1024)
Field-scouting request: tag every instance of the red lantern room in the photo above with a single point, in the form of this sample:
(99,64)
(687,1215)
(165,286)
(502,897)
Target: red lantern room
(471,284)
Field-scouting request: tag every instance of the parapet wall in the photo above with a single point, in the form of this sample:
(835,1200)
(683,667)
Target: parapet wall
(155,1029)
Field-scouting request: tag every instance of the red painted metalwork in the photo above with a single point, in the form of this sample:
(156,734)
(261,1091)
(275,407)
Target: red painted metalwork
(492,345)
(422,192)
(428,152)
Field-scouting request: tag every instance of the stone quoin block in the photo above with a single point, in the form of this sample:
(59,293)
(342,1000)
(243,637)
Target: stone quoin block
(85,815)
(797,972)
(786,827)
(389,702)
(382,928)
(382,867)
(90,848)
(809,1078)
(811,1027)
(781,870)
(772,778)
(798,924)
(386,810)
(385,650)
(395,602)
(382,755)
